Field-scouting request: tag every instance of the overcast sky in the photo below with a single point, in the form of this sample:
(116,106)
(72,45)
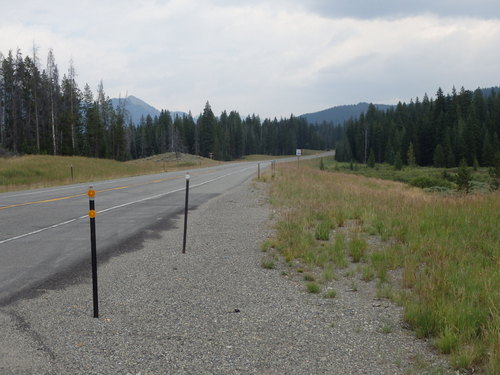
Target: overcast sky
(271,58)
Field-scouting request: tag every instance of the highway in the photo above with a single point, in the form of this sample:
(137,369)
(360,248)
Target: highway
(45,233)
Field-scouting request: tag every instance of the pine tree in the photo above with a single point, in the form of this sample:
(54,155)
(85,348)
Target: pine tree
(206,124)
(494,172)
(464,177)
(439,157)
(371,159)
(53,88)
(411,156)
(398,162)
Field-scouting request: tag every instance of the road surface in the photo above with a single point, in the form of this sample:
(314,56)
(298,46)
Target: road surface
(45,235)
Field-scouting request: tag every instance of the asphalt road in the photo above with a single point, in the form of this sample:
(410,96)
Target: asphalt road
(45,233)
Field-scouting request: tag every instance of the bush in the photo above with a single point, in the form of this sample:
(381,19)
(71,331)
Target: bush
(464,177)
(428,182)
(321,164)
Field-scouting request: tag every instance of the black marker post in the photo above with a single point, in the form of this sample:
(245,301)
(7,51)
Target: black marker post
(93,248)
(186,213)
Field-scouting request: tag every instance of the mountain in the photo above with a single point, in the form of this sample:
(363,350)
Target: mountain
(137,108)
(340,114)
(489,91)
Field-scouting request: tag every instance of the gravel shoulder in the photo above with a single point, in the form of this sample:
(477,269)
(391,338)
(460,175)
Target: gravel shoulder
(213,310)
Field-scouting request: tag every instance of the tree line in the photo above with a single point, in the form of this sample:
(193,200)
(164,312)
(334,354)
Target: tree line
(439,132)
(41,113)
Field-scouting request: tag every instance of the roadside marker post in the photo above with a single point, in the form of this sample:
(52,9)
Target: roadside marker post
(72,180)
(258,171)
(186,213)
(93,248)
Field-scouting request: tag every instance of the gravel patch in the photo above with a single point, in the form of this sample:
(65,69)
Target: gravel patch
(213,310)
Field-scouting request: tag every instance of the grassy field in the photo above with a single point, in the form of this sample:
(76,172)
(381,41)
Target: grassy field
(430,178)
(438,254)
(33,171)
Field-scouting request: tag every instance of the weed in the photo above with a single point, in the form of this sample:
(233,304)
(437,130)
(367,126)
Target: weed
(323,230)
(329,275)
(308,277)
(386,328)
(447,341)
(467,357)
(354,286)
(357,248)
(312,287)
(337,253)
(332,293)
(266,245)
(384,290)
(340,218)
(367,273)
(267,263)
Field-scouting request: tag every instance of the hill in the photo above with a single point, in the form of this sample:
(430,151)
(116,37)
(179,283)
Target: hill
(137,108)
(340,114)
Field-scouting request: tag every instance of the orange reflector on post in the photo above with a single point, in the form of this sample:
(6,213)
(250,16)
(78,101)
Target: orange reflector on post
(92,214)
(91,193)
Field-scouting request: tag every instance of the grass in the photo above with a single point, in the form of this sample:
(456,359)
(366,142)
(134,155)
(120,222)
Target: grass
(322,232)
(357,248)
(429,178)
(446,247)
(267,263)
(332,293)
(309,277)
(258,157)
(313,288)
(33,171)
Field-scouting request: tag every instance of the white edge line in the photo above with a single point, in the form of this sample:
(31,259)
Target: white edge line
(115,207)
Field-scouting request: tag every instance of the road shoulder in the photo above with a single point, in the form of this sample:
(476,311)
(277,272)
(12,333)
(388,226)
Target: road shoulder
(213,310)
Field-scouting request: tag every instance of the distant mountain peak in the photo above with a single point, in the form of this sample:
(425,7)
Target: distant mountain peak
(137,108)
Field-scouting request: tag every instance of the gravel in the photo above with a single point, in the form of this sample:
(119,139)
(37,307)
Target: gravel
(213,310)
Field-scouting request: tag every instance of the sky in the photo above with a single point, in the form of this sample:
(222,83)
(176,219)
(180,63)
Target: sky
(269,58)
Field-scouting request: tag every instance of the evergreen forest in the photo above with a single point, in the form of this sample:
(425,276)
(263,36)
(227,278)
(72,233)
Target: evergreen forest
(436,132)
(42,113)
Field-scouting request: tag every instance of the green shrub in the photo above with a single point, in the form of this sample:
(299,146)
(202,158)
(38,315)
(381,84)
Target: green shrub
(428,182)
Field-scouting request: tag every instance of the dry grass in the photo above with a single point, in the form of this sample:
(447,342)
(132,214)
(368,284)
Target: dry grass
(447,246)
(34,171)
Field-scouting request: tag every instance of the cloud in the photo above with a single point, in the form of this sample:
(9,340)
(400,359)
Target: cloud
(268,58)
(363,9)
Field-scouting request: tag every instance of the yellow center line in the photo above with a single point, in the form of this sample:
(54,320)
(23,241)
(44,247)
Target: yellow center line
(84,194)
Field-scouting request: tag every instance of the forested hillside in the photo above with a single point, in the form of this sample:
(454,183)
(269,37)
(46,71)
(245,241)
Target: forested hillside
(439,132)
(42,113)
(340,114)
